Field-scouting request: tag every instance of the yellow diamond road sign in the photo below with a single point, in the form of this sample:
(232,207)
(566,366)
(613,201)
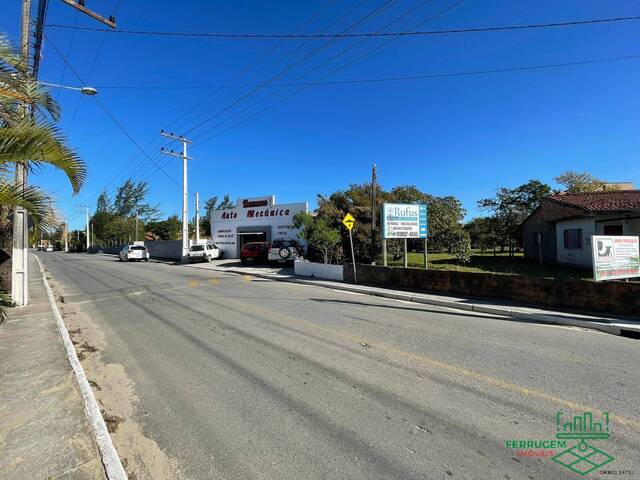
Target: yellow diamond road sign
(348,221)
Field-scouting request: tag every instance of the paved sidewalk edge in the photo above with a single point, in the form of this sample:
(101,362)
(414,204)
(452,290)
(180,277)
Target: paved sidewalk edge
(110,459)
(441,302)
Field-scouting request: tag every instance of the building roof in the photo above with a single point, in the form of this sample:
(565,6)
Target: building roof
(616,200)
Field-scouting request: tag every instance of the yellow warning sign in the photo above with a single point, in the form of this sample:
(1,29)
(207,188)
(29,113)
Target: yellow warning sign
(348,221)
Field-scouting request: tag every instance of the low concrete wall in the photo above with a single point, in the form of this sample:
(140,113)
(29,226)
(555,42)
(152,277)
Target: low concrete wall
(169,249)
(319,270)
(610,297)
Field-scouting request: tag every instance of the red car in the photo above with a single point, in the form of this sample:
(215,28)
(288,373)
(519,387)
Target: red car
(254,252)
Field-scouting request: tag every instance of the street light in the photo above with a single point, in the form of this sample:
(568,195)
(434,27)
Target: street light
(90,91)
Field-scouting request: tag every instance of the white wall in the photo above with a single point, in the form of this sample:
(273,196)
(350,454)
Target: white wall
(225,224)
(580,257)
(319,270)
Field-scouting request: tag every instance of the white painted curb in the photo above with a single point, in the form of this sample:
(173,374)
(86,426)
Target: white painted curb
(110,459)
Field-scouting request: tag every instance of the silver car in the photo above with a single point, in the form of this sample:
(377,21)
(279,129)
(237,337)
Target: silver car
(134,253)
(284,251)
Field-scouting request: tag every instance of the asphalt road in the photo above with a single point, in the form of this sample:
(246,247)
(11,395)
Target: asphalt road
(247,378)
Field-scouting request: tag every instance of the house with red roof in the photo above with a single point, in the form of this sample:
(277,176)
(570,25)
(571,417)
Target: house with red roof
(560,229)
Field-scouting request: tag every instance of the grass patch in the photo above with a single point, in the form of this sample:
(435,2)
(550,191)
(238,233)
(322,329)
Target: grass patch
(501,263)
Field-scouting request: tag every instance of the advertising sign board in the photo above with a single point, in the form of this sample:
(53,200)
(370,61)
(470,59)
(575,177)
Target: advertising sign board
(404,220)
(615,257)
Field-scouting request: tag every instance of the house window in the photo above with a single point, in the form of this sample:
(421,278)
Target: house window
(613,229)
(573,239)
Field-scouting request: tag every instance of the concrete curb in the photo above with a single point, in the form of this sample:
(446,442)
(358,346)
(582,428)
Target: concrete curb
(517,315)
(109,456)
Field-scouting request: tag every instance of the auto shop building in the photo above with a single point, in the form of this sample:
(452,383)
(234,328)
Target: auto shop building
(258,219)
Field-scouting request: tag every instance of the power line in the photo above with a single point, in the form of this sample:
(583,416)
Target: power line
(360,21)
(106,110)
(388,79)
(569,23)
(142,169)
(93,66)
(387,42)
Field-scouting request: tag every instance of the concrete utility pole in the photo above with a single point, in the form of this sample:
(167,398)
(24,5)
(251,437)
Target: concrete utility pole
(374,213)
(19,253)
(185,208)
(197,218)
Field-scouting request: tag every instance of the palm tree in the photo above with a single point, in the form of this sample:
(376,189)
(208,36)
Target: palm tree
(29,138)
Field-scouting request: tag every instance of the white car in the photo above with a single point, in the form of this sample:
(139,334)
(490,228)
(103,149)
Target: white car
(48,248)
(204,252)
(134,252)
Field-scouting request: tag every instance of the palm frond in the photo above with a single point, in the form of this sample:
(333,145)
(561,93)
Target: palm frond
(18,88)
(5,302)
(31,198)
(35,143)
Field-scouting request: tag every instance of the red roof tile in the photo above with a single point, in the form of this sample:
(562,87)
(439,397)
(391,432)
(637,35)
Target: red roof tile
(616,200)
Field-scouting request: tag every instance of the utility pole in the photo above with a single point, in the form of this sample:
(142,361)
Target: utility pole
(87,227)
(19,253)
(185,208)
(197,218)
(136,239)
(65,232)
(374,212)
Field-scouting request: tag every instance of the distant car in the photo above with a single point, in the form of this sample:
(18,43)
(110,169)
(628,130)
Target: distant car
(134,252)
(203,253)
(254,252)
(284,251)
(48,248)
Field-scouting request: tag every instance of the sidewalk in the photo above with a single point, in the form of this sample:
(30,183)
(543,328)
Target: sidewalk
(44,432)
(614,325)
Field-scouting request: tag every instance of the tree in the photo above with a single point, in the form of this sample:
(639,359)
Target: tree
(574,182)
(130,198)
(210,205)
(104,205)
(482,232)
(319,235)
(169,229)
(445,215)
(511,206)
(29,141)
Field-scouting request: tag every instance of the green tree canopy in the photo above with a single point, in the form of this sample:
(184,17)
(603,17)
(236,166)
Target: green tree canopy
(130,198)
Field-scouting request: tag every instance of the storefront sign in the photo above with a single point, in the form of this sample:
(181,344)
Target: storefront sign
(615,257)
(404,220)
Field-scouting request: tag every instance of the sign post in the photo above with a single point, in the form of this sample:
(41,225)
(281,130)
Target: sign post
(348,221)
(404,221)
(615,257)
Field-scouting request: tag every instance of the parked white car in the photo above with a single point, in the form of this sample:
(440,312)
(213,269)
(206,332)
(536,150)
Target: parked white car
(204,252)
(48,248)
(134,252)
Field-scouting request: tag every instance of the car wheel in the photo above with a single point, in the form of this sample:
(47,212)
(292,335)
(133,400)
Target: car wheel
(209,258)
(243,261)
(284,253)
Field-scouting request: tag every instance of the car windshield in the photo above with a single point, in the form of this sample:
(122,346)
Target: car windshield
(138,247)
(197,248)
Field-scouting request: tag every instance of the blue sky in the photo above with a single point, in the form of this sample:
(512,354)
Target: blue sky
(462,136)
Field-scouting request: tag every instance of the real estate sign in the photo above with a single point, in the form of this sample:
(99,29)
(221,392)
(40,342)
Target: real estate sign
(615,257)
(404,220)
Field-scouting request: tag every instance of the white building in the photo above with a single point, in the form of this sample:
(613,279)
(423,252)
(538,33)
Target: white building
(257,219)
(560,229)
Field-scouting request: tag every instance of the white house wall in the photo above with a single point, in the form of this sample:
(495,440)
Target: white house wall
(579,257)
